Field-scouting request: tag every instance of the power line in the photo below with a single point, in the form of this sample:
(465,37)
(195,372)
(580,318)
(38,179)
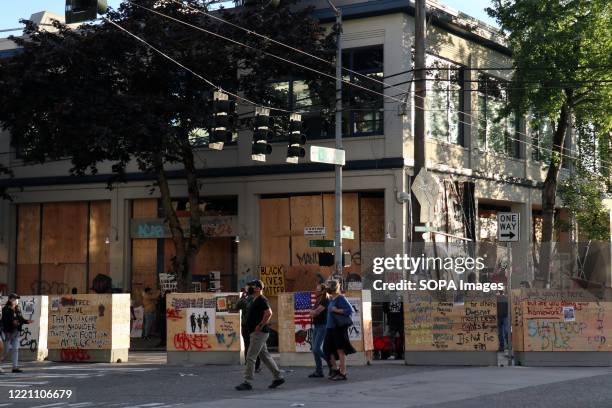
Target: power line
(213,85)
(286,60)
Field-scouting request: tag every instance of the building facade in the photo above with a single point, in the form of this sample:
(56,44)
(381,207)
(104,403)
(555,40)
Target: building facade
(60,231)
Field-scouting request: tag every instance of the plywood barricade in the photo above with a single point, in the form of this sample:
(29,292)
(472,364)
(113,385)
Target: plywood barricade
(441,328)
(295,335)
(203,328)
(89,328)
(33,336)
(561,327)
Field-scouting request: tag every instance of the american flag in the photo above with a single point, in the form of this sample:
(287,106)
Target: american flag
(303,303)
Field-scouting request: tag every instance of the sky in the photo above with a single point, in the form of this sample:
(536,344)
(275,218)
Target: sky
(12,11)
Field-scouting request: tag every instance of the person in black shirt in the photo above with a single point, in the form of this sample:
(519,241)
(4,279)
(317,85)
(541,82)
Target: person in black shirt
(12,322)
(257,324)
(502,321)
(319,320)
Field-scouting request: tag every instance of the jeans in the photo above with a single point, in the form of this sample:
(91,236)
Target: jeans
(318,335)
(149,318)
(258,348)
(12,342)
(502,332)
(246,336)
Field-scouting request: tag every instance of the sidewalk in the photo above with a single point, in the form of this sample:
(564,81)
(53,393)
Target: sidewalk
(410,390)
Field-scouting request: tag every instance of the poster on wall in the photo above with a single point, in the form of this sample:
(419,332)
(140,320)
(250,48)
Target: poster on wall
(303,303)
(273,278)
(30,309)
(200,321)
(81,321)
(195,325)
(137,322)
(355,332)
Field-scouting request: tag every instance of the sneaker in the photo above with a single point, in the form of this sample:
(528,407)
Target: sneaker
(339,377)
(316,375)
(17,370)
(277,383)
(245,386)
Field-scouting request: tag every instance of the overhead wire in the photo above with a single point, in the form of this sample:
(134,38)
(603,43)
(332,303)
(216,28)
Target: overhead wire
(210,83)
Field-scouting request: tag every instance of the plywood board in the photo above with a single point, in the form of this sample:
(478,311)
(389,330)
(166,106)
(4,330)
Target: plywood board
(99,231)
(144,266)
(306,211)
(64,232)
(274,231)
(372,216)
(27,279)
(586,327)
(144,208)
(433,325)
(286,325)
(81,322)
(28,233)
(61,278)
(222,334)
(350,218)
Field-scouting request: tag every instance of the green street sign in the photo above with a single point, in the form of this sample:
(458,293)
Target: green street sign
(347,234)
(321,243)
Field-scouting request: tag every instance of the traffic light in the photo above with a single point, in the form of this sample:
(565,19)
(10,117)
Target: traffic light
(297,139)
(262,133)
(223,121)
(78,11)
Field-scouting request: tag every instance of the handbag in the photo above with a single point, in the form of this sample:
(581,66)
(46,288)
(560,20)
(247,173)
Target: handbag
(342,321)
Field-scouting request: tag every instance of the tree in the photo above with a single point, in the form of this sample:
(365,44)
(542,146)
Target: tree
(583,192)
(562,53)
(106,100)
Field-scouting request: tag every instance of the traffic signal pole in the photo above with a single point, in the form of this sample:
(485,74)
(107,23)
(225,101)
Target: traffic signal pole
(338,192)
(420,30)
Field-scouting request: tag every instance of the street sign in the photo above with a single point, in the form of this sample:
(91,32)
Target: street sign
(426,189)
(423,228)
(320,154)
(347,234)
(321,243)
(314,230)
(508,227)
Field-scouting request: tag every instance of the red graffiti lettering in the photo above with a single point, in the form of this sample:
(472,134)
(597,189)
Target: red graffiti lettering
(189,342)
(173,314)
(74,355)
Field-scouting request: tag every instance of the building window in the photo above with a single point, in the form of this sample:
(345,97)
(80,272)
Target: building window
(542,130)
(444,101)
(363,111)
(496,132)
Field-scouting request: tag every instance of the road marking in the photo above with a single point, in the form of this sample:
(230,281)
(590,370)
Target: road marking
(50,405)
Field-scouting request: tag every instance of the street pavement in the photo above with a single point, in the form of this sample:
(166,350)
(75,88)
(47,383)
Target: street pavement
(147,382)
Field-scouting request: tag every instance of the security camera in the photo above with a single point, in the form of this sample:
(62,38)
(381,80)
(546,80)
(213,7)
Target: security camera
(403,196)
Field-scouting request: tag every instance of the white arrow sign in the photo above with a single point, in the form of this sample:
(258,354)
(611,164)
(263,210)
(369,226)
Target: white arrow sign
(508,227)
(426,189)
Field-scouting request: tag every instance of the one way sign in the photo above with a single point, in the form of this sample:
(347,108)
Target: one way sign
(508,227)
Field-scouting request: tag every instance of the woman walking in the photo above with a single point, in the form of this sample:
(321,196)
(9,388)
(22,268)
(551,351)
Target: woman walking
(12,322)
(337,344)
(319,321)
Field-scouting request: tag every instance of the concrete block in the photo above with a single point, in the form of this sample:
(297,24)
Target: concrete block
(89,355)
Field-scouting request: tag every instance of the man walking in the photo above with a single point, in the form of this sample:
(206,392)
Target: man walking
(257,324)
(244,305)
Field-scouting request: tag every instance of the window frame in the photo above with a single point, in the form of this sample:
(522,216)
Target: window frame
(511,137)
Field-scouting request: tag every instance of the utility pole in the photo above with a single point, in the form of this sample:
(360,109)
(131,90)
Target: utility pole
(420,74)
(338,193)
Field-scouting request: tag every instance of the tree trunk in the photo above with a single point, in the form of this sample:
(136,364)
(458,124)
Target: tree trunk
(549,194)
(180,262)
